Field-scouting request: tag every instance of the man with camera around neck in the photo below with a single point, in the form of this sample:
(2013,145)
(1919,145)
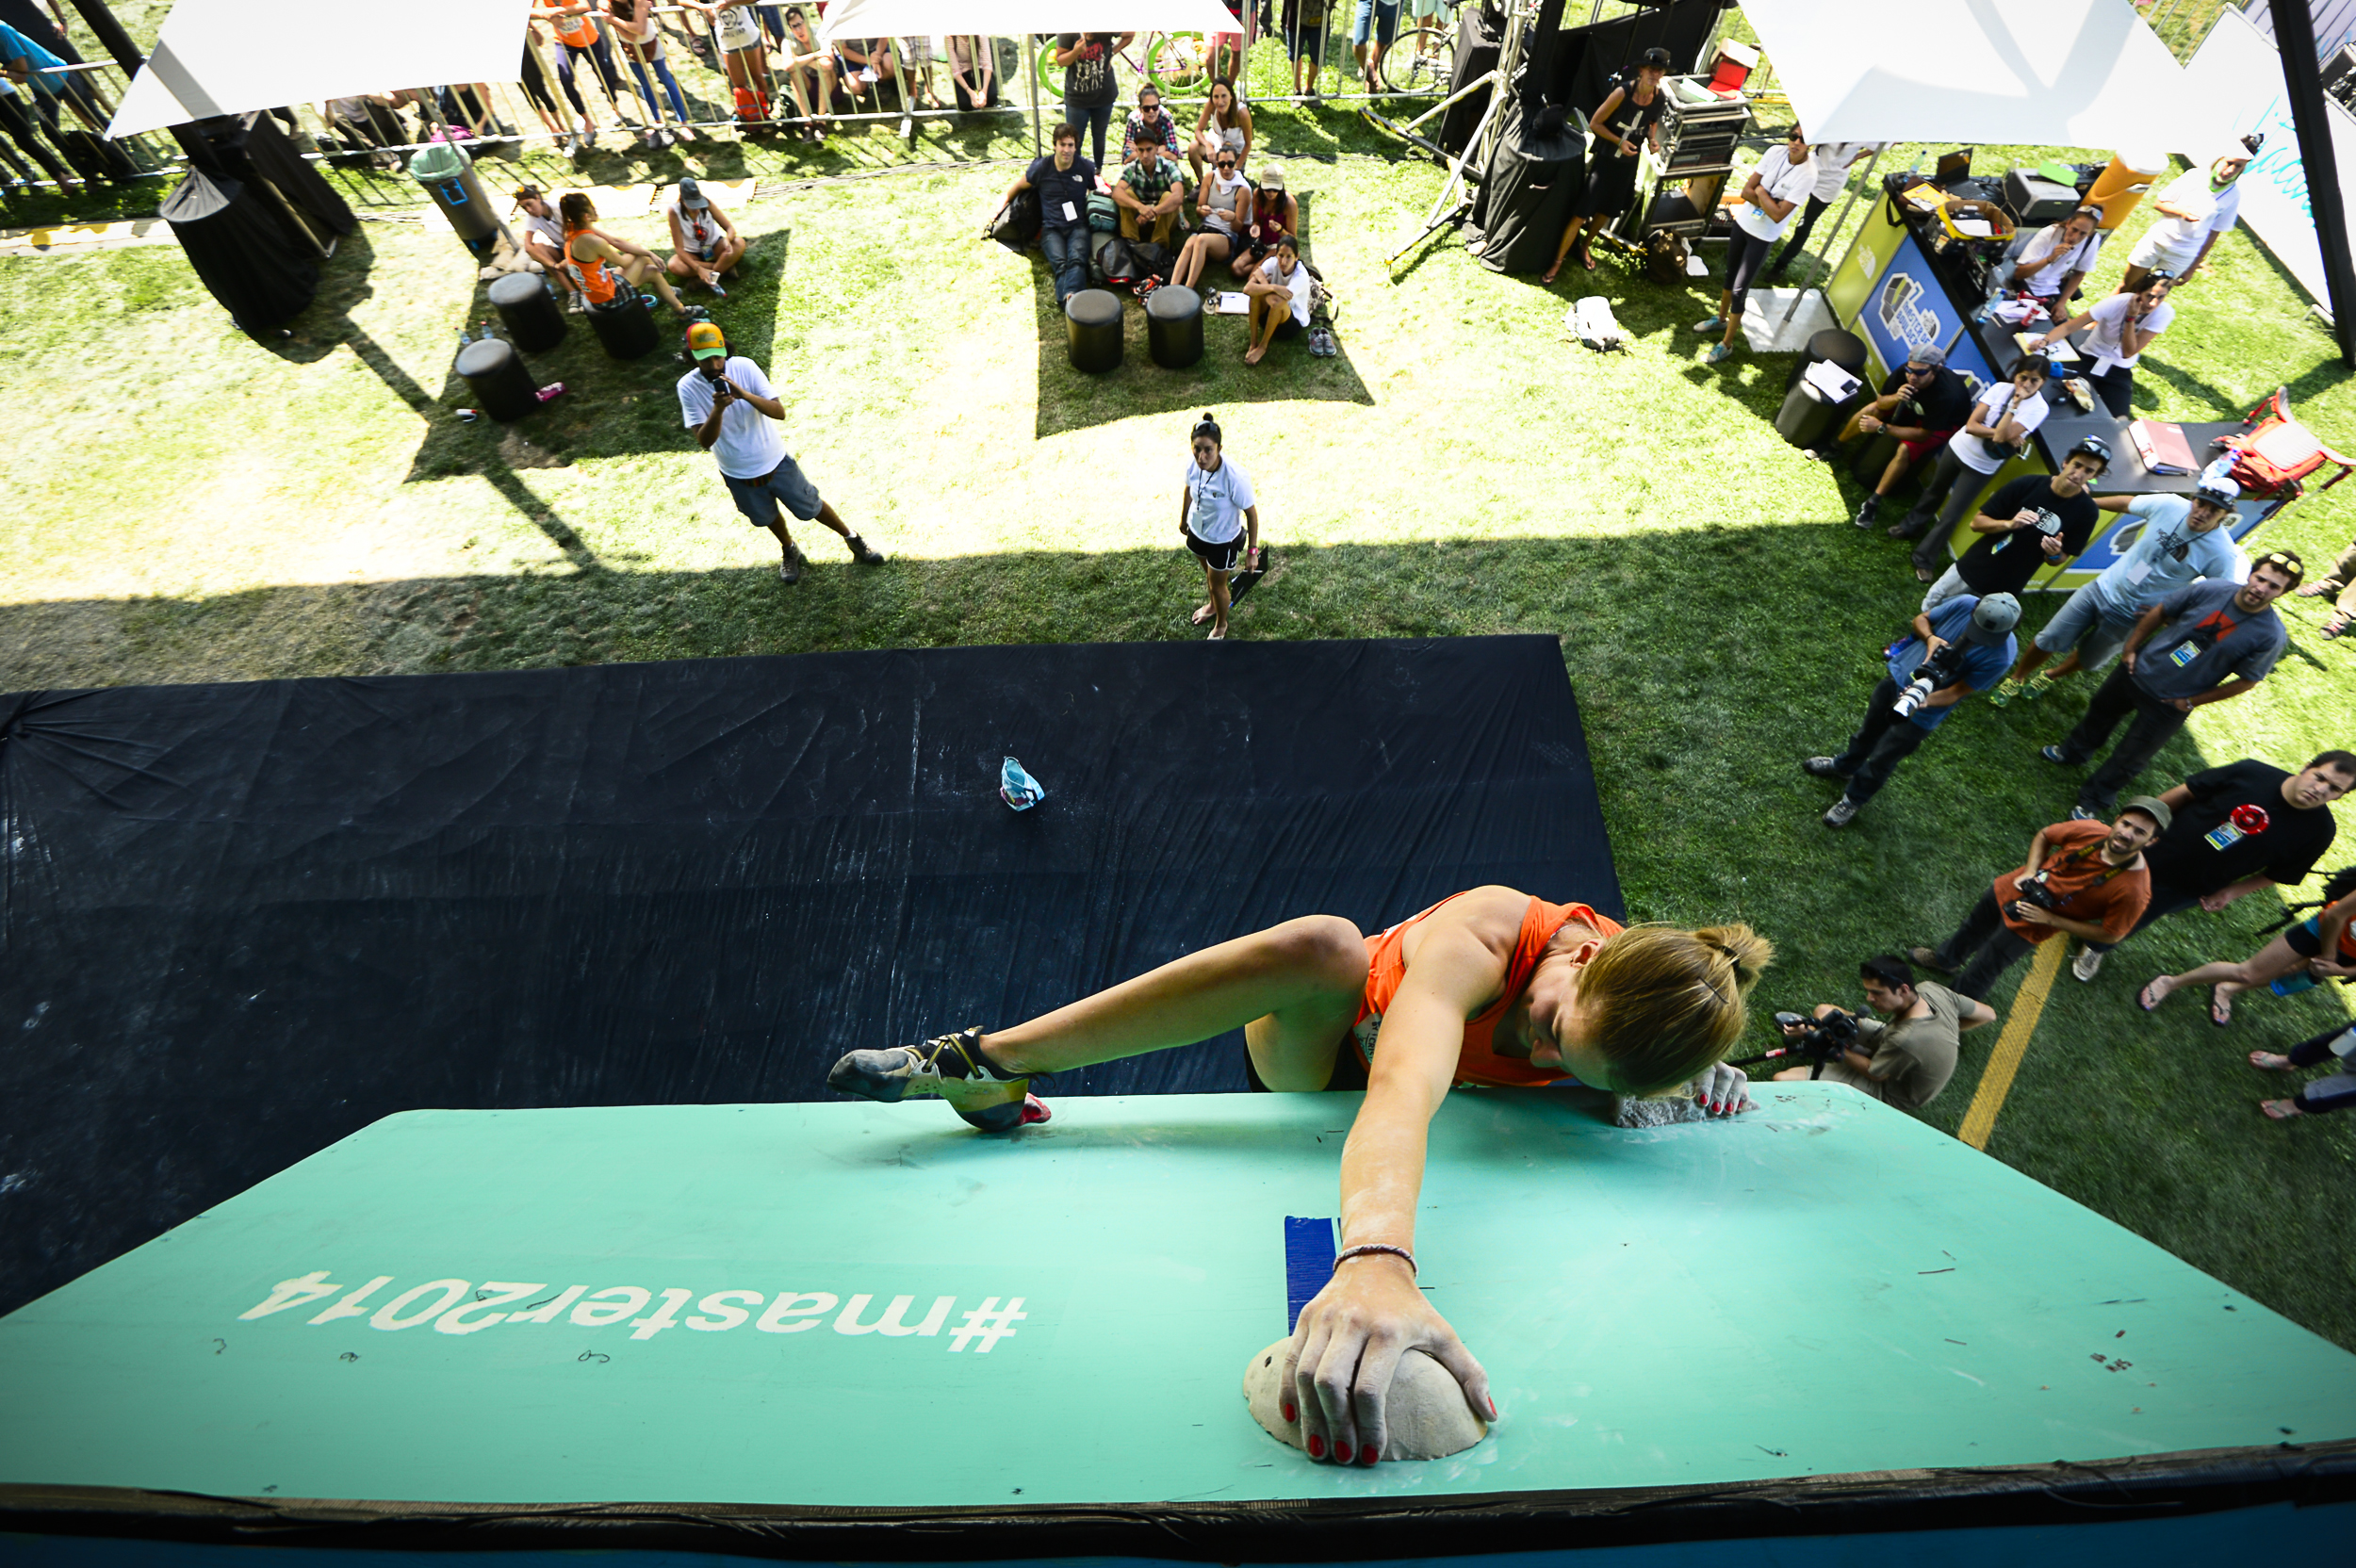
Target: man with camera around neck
(1956,649)
(2082,879)
(1905,1056)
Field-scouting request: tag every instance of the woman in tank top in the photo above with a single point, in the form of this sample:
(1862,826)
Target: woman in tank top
(1627,120)
(1225,122)
(606,270)
(737,31)
(1490,986)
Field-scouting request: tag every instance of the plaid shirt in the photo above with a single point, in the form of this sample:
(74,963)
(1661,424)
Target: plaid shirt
(1169,131)
(1150,187)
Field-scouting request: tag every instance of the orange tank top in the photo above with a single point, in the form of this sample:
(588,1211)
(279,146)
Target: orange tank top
(1386,966)
(596,278)
(580,32)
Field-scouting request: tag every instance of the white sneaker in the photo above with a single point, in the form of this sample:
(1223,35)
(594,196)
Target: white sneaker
(2089,963)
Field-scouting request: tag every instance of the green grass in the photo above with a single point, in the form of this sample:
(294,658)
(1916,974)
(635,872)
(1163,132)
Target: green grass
(192,506)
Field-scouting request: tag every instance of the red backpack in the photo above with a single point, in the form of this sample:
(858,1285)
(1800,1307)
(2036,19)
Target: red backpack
(2271,457)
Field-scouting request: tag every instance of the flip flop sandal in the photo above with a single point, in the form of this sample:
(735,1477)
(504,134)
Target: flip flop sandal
(2220,1010)
(2145,1000)
(2280,1110)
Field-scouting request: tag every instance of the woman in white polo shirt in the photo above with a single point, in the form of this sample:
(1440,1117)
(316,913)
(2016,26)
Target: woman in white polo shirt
(1773,193)
(1220,519)
(2124,326)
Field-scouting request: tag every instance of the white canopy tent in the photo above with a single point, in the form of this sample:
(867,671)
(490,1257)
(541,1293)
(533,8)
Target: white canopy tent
(2039,72)
(1014,18)
(232,56)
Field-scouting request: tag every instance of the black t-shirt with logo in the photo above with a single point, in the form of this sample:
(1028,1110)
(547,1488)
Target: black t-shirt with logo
(1943,401)
(2204,852)
(1087,81)
(2005,563)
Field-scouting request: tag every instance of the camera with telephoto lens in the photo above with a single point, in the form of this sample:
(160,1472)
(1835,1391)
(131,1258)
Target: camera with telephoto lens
(2037,890)
(1936,674)
(1821,1040)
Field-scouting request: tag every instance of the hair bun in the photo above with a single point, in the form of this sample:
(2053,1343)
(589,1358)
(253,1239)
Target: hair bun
(1746,949)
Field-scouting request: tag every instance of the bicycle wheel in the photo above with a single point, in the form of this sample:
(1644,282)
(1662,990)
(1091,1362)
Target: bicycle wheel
(1179,63)
(1417,63)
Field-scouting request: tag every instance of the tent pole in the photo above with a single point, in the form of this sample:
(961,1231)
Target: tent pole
(2302,81)
(109,32)
(1816,262)
(1030,73)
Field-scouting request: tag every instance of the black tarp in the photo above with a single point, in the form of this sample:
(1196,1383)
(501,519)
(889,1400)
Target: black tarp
(1536,171)
(1586,61)
(235,238)
(259,149)
(240,921)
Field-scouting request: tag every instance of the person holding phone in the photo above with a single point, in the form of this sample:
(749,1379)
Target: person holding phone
(731,406)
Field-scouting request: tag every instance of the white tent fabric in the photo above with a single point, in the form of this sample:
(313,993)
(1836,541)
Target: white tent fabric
(2051,73)
(1014,18)
(229,57)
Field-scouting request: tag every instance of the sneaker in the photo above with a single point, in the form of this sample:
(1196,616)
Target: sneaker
(2089,963)
(682,133)
(1811,454)
(1840,814)
(2005,690)
(1928,959)
(1822,767)
(1909,527)
(2079,813)
(2056,755)
(864,553)
(1718,352)
(1716,323)
(949,1066)
(1868,510)
(578,305)
(2038,684)
(789,569)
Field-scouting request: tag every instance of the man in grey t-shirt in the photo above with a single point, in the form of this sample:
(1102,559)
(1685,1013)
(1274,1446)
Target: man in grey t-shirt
(2203,644)
(1905,1056)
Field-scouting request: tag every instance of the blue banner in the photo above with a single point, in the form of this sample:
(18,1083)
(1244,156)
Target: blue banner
(1909,308)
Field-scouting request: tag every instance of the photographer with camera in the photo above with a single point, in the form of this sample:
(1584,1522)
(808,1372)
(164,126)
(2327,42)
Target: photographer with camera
(2208,642)
(2036,520)
(1955,649)
(1902,1058)
(2080,879)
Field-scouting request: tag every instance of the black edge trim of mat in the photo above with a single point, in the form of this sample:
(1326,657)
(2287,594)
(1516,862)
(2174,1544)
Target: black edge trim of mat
(1324,1531)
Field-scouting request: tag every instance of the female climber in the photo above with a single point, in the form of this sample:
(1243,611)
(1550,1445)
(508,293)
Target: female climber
(1491,987)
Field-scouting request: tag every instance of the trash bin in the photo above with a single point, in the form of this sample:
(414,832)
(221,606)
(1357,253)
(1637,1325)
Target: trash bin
(1810,418)
(1092,319)
(624,325)
(1844,349)
(533,319)
(1174,326)
(502,387)
(449,177)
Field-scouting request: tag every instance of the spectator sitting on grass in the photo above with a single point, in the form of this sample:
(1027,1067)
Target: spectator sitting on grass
(2088,881)
(1221,201)
(1149,194)
(1224,125)
(1905,1056)
(2336,1093)
(2322,946)
(1146,123)
(731,406)
(607,268)
(869,60)
(1274,214)
(704,244)
(2339,584)
(1063,183)
(1279,296)
(1921,404)
(543,240)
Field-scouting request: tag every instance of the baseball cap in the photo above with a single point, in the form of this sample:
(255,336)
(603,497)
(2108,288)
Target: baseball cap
(1993,618)
(2153,807)
(1656,58)
(1927,353)
(704,342)
(2217,488)
(1272,178)
(690,194)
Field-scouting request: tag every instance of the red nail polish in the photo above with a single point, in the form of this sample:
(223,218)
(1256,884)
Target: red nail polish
(1341,1452)
(1289,1416)
(1317,1446)
(1367,1456)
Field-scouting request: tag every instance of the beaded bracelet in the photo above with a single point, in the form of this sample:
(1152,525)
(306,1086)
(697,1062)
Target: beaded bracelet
(1349,1252)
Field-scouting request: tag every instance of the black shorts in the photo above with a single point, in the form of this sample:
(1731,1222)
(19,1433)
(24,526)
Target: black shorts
(1219,558)
(2306,938)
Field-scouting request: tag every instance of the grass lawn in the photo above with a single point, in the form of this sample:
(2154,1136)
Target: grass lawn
(192,506)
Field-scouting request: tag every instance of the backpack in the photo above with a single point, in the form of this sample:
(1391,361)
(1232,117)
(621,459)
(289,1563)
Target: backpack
(1592,322)
(1017,223)
(1666,255)
(1117,263)
(1104,217)
(2271,458)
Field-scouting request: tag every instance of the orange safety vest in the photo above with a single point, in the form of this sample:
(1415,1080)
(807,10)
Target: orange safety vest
(1476,1063)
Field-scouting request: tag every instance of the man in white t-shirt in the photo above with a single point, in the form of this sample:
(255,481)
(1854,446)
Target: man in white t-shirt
(2194,209)
(1762,210)
(2006,415)
(1832,161)
(2124,326)
(730,405)
(2056,260)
